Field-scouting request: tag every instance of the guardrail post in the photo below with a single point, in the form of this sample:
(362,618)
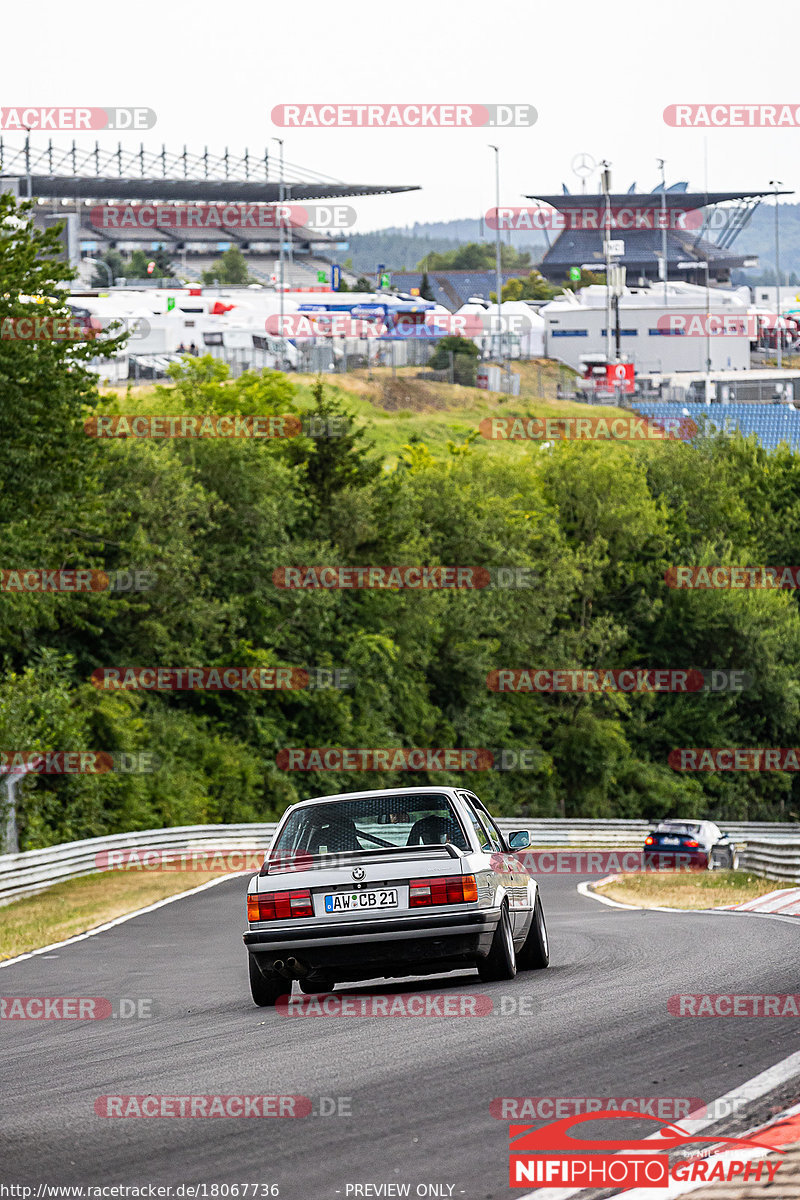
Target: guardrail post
(11,838)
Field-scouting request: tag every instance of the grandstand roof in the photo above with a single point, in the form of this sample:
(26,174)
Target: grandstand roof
(210,190)
(684,200)
(583,246)
(123,173)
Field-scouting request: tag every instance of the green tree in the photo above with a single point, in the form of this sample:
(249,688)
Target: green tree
(425,289)
(587,278)
(136,267)
(475,256)
(535,287)
(44,382)
(337,457)
(230,268)
(117,265)
(465,359)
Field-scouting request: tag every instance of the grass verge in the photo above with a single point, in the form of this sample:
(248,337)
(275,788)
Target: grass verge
(78,905)
(692,889)
(399,409)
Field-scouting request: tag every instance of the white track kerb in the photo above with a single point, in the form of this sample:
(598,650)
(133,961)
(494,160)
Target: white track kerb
(759,1085)
(782,905)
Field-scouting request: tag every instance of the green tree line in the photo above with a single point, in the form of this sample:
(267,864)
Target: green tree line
(596,525)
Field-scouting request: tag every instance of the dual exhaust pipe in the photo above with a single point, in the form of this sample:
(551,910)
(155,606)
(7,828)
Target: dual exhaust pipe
(291,968)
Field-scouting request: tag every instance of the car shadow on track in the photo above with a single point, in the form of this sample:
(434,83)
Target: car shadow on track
(403,986)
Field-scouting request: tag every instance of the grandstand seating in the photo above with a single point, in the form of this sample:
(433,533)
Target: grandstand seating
(261,268)
(771,423)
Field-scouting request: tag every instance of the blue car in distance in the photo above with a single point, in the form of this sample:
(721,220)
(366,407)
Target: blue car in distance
(697,845)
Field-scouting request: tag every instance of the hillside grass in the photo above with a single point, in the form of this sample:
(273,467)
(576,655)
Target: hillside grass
(398,408)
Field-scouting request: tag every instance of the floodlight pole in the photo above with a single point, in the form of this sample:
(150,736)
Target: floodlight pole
(776,183)
(497,266)
(708,322)
(287,195)
(28,161)
(606,183)
(280,231)
(660,162)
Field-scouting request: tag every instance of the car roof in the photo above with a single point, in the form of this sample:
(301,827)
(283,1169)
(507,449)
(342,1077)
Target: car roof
(402,791)
(707,828)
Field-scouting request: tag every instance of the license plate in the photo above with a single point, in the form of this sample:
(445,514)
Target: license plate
(350,901)
(670,841)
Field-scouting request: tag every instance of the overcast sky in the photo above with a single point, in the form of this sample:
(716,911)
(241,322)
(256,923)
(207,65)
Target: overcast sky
(599,74)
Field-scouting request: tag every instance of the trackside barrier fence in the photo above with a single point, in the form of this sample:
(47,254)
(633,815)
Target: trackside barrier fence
(31,871)
(775,860)
(771,849)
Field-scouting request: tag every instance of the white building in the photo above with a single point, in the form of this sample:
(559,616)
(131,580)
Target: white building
(766,297)
(656,337)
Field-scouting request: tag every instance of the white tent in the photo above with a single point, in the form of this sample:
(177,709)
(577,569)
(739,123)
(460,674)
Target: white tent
(520,325)
(530,325)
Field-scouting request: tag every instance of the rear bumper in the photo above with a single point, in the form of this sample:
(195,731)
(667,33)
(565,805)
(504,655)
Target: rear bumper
(675,859)
(392,945)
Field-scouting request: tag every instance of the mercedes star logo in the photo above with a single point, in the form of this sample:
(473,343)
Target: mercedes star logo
(583,165)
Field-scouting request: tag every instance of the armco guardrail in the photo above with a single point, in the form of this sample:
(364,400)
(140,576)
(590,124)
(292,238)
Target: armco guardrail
(33,870)
(775,860)
(587,832)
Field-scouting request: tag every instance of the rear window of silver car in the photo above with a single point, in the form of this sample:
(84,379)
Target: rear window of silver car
(371,823)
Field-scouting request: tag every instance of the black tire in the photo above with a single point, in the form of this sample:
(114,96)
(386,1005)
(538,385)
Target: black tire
(535,952)
(501,961)
(266,990)
(313,989)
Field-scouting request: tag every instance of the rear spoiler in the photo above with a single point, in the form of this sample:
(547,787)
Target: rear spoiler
(302,861)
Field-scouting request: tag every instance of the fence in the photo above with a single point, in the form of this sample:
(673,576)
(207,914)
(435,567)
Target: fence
(775,860)
(585,831)
(33,870)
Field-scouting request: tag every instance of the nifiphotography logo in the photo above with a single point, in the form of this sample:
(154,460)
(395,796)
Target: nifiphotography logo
(579,1161)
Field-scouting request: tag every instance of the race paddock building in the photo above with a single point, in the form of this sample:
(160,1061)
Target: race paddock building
(680,327)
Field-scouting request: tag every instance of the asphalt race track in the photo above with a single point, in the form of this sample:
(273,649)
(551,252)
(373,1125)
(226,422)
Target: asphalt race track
(420,1087)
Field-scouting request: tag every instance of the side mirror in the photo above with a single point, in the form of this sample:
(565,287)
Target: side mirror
(519,840)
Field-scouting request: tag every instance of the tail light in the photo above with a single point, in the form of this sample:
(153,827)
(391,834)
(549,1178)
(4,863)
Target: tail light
(694,845)
(442,889)
(649,841)
(279,906)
